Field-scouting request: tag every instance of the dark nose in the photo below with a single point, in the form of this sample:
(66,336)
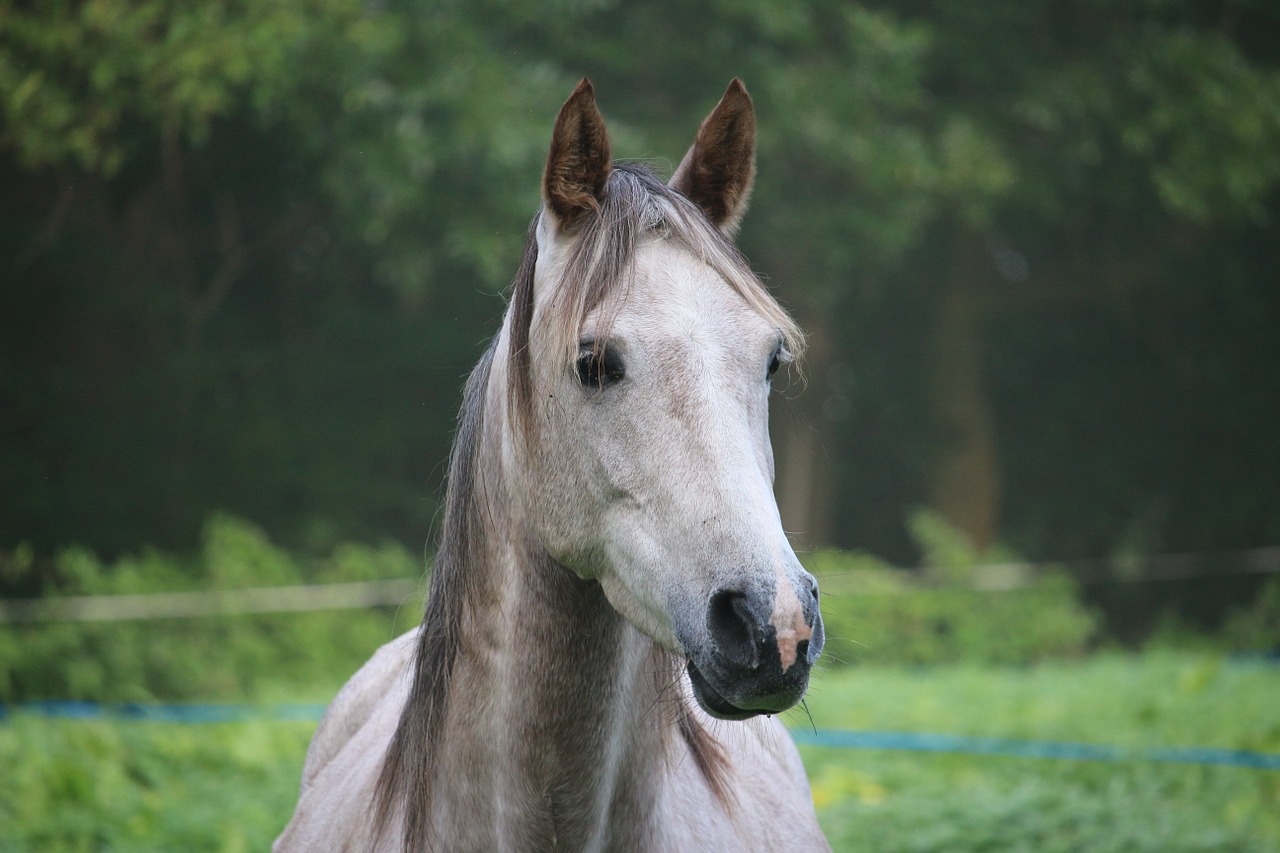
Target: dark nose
(740,626)
(758,649)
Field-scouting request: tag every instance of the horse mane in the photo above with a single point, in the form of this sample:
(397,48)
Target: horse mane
(636,205)
(409,767)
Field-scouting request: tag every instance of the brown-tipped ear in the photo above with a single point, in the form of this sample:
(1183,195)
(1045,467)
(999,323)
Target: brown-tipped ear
(578,162)
(717,172)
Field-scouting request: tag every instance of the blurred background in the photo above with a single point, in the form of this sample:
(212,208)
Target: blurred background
(249,251)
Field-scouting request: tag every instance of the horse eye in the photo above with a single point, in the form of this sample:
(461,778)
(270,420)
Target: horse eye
(780,357)
(599,367)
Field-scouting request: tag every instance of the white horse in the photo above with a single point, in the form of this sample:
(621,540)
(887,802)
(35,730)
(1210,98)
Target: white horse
(613,581)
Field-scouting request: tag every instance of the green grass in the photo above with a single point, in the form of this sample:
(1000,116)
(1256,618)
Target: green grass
(875,800)
(96,786)
(73,785)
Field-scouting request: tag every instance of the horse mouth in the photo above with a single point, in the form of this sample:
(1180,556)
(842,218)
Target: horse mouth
(711,700)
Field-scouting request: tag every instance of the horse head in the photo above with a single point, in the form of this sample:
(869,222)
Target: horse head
(641,350)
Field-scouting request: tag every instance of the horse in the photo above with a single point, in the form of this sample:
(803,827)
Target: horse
(614,614)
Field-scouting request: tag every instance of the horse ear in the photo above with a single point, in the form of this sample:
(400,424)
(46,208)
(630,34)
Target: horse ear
(578,163)
(717,172)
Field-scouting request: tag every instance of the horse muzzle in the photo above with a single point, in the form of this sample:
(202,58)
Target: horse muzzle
(758,652)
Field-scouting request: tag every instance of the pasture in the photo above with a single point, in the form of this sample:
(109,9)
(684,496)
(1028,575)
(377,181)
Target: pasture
(73,785)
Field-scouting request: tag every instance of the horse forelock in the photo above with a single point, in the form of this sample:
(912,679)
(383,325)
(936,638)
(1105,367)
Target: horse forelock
(601,262)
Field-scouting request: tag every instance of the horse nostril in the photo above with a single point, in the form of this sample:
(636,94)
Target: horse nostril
(813,605)
(730,625)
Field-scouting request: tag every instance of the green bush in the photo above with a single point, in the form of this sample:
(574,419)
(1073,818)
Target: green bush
(967,606)
(875,613)
(73,785)
(1250,628)
(212,657)
(1256,627)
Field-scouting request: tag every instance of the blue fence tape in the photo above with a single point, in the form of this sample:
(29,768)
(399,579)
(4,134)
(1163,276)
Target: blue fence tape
(156,713)
(926,742)
(832,738)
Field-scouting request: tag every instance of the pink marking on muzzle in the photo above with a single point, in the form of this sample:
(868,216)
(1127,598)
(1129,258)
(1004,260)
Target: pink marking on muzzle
(789,625)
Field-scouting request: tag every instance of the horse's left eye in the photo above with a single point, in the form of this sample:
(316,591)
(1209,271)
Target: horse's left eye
(599,367)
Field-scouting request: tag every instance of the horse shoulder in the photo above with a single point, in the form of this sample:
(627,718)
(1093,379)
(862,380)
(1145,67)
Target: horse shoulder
(345,755)
(350,710)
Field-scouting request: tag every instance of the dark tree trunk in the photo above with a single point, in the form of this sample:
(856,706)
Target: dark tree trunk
(805,475)
(964,474)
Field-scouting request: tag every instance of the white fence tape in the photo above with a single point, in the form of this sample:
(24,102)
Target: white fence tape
(171,605)
(339,596)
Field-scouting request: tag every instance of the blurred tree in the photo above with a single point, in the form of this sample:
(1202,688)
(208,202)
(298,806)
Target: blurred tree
(226,228)
(993,164)
(933,172)
(252,247)
(1114,137)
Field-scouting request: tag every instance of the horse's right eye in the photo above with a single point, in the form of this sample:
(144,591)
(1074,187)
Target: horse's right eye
(599,367)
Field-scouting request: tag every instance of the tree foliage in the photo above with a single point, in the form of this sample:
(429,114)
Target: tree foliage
(250,249)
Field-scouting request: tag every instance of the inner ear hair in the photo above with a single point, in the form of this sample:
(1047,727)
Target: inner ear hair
(717,172)
(578,162)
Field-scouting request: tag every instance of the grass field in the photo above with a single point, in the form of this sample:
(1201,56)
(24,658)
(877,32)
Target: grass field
(121,786)
(875,800)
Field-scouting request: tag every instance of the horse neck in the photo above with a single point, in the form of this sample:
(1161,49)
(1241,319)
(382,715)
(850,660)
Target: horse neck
(573,700)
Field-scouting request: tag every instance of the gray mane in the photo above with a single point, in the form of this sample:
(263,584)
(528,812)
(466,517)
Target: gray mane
(410,761)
